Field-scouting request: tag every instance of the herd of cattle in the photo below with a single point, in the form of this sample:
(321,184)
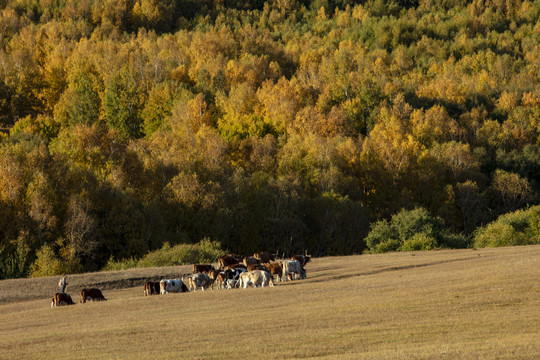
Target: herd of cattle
(233,271)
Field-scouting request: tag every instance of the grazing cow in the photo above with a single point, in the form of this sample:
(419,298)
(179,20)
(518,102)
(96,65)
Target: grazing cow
(257,278)
(264,256)
(214,273)
(275,269)
(243,280)
(217,276)
(172,286)
(200,281)
(237,266)
(250,260)
(227,260)
(256,267)
(302,259)
(60,299)
(232,276)
(151,288)
(202,268)
(91,294)
(293,267)
(220,280)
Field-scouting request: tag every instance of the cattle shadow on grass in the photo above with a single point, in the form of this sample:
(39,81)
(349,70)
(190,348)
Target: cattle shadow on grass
(387,269)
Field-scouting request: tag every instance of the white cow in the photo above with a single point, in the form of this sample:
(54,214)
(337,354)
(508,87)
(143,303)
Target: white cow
(256,278)
(172,286)
(292,267)
(243,280)
(261,278)
(200,280)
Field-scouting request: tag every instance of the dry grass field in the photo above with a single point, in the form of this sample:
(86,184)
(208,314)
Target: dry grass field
(458,304)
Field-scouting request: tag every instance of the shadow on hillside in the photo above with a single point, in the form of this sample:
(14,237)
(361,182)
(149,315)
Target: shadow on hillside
(388,269)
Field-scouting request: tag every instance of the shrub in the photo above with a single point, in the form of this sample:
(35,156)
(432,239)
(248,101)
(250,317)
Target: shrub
(378,239)
(387,245)
(521,227)
(206,251)
(411,230)
(124,264)
(419,241)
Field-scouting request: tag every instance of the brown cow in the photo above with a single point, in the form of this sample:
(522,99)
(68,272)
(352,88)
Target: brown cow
(60,299)
(214,273)
(257,267)
(91,294)
(151,288)
(237,266)
(250,260)
(264,256)
(275,269)
(302,259)
(228,260)
(202,268)
(220,280)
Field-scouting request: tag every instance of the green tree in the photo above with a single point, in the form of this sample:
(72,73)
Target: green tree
(79,104)
(122,104)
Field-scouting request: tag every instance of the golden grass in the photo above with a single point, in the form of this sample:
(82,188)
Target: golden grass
(459,304)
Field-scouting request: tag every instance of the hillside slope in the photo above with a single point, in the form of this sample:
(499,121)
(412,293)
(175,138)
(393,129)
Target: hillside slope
(467,304)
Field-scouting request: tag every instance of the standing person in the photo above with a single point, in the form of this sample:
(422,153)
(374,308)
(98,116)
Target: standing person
(62,284)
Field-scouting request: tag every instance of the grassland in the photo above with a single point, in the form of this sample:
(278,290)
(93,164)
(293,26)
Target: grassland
(459,304)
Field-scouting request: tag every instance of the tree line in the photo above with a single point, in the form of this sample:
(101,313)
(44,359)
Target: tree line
(280,125)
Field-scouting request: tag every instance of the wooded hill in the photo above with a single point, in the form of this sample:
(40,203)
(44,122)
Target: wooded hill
(282,125)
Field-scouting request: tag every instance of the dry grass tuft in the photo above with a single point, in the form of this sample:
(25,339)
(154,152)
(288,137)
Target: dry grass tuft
(466,304)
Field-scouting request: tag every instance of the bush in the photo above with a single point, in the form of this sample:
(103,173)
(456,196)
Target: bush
(380,237)
(125,264)
(386,246)
(411,230)
(419,242)
(206,251)
(521,227)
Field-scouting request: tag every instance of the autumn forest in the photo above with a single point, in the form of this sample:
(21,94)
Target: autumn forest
(286,125)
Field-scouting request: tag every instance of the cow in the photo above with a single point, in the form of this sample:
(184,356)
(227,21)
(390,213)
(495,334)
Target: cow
(302,259)
(237,266)
(91,294)
(218,276)
(220,280)
(243,280)
(250,260)
(202,268)
(256,267)
(60,299)
(200,281)
(257,278)
(172,286)
(275,269)
(264,256)
(227,260)
(232,276)
(151,288)
(292,267)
